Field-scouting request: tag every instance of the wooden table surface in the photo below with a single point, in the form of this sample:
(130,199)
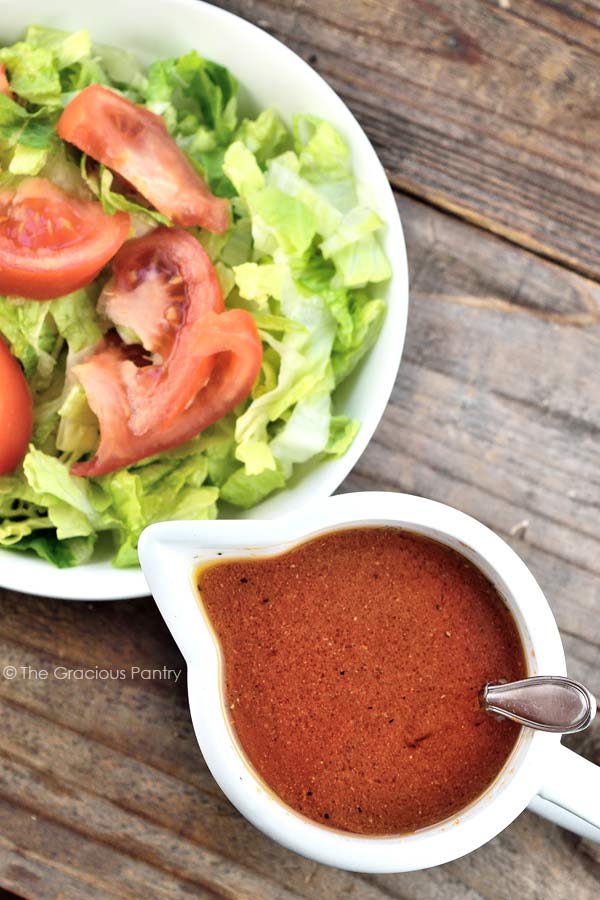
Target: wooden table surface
(485,115)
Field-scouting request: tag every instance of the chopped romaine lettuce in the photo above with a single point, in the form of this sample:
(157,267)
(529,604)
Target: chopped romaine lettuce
(33,73)
(259,282)
(302,255)
(63,554)
(266,136)
(66,49)
(342,432)
(322,151)
(100,184)
(306,432)
(20,128)
(246,491)
(27,160)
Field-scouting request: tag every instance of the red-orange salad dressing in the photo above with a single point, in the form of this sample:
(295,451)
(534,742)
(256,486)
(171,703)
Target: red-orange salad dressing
(352,671)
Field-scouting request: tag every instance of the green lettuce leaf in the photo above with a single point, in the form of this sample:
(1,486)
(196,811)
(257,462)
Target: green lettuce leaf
(49,66)
(66,48)
(19,514)
(100,184)
(27,160)
(342,432)
(242,169)
(35,130)
(284,174)
(63,554)
(33,73)
(198,100)
(37,333)
(139,497)
(32,337)
(306,432)
(246,491)
(323,153)
(302,255)
(122,70)
(196,97)
(62,171)
(361,263)
(304,369)
(266,136)
(35,69)
(259,282)
(280,221)
(73,504)
(122,503)
(76,318)
(77,432)
(367,318)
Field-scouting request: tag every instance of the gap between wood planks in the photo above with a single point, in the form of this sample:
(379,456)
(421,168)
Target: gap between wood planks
(404,187)
(581,320)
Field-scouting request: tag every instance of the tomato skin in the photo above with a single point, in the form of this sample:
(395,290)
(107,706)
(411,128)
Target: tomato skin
(16,412)
(52,243)
(230,339)
(162,284)
(135,143)
(4,85)
(204,360)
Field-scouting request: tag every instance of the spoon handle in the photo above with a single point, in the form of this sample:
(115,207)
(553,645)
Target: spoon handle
(546,702)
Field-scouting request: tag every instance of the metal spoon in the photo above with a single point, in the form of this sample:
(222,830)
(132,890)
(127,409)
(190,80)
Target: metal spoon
(545,702)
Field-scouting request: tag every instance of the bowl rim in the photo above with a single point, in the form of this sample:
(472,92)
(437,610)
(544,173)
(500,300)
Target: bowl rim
(98,580)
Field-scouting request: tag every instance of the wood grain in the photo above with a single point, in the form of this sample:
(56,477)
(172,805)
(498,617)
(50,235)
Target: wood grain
(486,108)
(487,112)
(103,792)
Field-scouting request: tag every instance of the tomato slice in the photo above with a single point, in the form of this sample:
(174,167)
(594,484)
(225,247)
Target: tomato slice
(16,415)
(4,85)
(52,243)
(192,364)
(162,284)
(135,143)
(230,339)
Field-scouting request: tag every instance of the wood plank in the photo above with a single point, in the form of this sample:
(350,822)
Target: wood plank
(112,820)
(52,769)
(486,109)
(494,411)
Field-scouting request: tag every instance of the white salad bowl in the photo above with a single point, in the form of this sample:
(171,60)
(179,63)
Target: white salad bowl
(270,75)
(540,772)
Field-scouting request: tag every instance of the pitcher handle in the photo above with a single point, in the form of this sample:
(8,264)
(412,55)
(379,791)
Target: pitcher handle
(570,796)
